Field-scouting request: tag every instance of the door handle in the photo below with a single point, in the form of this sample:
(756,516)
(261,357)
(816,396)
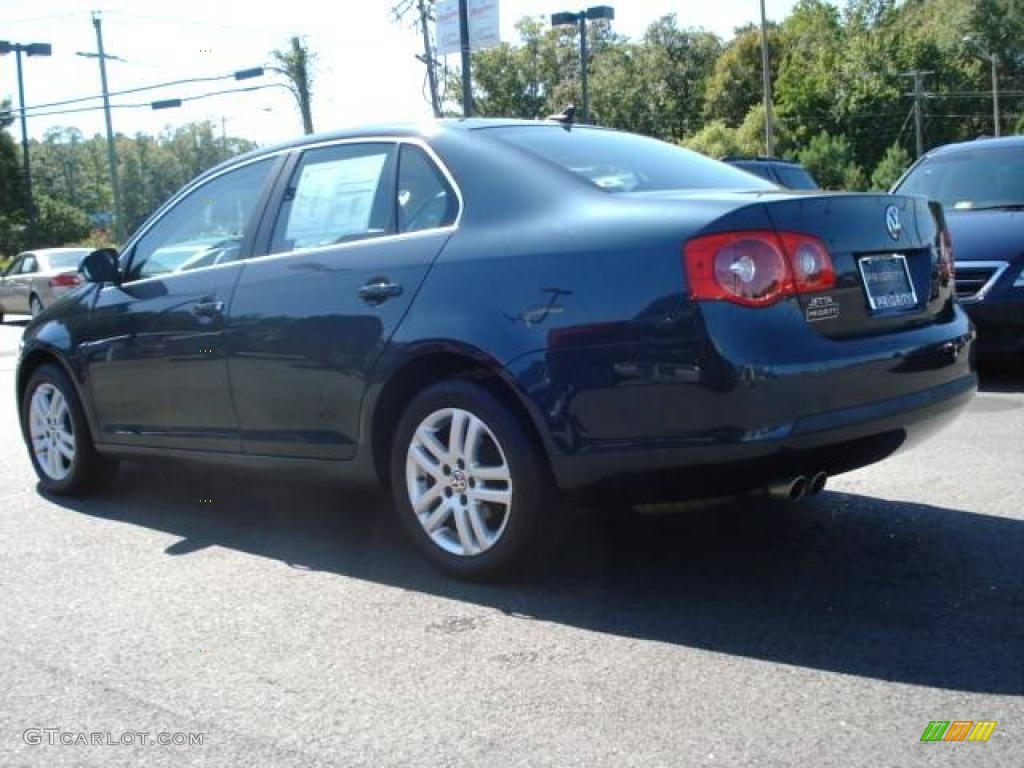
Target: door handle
(208,308)
(379,290)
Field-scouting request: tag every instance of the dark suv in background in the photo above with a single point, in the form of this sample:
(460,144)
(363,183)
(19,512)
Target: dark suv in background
(785,173)
(980,184)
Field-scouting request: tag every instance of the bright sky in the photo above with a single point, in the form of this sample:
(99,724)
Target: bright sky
(366,70)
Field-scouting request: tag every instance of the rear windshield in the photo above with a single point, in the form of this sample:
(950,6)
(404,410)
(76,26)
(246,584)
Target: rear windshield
(625,162)
(970,179)
(795,177)
(66,260)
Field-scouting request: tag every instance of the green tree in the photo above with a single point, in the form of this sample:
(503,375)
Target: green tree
(296,63)
(735,85)
(892,165)
(830,160)
(58,223)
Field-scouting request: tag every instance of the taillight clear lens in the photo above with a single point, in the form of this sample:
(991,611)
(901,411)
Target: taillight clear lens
(757,268)
(64,281)
(810,260)
(947,261)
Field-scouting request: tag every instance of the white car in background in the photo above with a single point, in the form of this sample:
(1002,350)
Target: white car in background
(36,279)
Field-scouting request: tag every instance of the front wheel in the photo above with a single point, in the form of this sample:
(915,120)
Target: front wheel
(57,434)
(469,484)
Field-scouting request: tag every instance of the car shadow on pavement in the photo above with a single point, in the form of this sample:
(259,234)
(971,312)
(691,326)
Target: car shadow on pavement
(1003,377)
(887,590)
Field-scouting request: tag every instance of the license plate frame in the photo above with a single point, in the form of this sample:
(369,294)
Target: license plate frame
(904,299)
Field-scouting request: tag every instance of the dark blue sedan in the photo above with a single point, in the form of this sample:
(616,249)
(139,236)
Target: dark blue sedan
(488,316)
(980,184)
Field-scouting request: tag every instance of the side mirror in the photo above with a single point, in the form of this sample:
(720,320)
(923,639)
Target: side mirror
(100,266)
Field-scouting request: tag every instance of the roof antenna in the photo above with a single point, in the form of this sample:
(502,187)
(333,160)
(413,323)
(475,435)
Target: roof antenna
(566,117)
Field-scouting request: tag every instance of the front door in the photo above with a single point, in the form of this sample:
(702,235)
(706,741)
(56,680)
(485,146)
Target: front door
(358,226)
(158,366)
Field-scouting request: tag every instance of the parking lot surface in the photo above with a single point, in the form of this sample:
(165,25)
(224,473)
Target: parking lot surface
(290,624)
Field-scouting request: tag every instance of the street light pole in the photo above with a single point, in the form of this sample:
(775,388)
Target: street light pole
(32,49)
(995,93)
(24,146)
(580,19)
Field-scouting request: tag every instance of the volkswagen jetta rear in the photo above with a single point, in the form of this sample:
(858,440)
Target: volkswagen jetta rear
(781,335)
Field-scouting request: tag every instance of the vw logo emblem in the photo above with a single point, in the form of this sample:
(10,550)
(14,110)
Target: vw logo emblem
(892,222)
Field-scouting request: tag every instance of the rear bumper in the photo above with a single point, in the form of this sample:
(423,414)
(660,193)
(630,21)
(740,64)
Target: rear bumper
(834,442)
(762,397)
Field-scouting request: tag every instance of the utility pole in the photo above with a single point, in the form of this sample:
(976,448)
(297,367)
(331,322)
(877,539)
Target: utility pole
(918,94)
(111,151)
(995,93)
(766,77)
(467,75)
(428,58)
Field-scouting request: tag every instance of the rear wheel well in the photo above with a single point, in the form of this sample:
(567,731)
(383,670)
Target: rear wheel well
(425,371)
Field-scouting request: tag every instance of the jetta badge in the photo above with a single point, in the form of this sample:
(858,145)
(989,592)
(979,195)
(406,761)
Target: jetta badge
(892,222)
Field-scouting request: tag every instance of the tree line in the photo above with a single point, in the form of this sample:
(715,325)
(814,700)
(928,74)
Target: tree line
(840,99)
(839,79)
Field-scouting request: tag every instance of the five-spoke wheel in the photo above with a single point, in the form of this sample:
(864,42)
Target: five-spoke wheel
(469,482)
(57,434)
(52,431)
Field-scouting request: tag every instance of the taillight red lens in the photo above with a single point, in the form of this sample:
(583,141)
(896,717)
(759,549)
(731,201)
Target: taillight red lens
(757,268)
(64,281)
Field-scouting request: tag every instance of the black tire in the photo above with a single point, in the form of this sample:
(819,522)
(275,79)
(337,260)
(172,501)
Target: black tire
(88,471)
(532,516)
(35,306)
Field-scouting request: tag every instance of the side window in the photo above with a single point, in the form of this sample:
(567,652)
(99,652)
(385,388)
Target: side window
(15,266)
(205,227)
(338,193)
(425,200)
(29,265)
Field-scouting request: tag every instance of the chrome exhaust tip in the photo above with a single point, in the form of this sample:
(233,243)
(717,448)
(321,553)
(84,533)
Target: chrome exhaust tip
(792,489)
(817,483)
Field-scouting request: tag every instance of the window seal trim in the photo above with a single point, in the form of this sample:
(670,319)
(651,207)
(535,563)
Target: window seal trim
(297,151)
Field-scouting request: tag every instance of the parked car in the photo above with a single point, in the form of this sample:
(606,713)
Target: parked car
(785,173)
(980,184)
(489,315)
(35,279)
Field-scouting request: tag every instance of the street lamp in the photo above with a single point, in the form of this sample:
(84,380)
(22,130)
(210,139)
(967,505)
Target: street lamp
(566,19)
(993,59)
(31,49)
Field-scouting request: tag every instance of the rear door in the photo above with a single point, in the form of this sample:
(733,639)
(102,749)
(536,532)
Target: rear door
(358,225)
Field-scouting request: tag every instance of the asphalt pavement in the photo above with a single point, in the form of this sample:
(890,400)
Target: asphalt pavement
(287,623)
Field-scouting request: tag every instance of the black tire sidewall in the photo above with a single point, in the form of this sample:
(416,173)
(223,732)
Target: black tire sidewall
(530,487)
(84,465)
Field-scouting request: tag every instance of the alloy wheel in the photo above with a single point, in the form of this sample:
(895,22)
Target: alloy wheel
(52,431)
(459,482)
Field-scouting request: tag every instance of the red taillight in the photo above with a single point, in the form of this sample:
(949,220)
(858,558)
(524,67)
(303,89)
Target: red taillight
(757,268)
(947,261)
(64,281)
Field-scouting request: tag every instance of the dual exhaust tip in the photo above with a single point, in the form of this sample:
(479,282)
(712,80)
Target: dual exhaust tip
(796,488)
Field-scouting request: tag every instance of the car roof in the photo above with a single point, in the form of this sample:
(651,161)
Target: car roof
(51,251)
(422,129)
(986,143)
(757,159)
